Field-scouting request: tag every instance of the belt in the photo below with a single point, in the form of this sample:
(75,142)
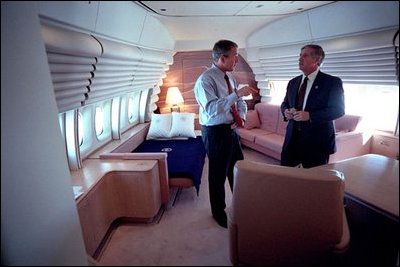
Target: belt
(219,125)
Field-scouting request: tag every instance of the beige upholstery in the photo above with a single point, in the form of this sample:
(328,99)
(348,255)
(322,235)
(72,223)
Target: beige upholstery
(265,131)
(286,216)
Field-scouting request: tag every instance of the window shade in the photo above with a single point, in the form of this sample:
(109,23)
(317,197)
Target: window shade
(72,59)
(363,59)
(86,69)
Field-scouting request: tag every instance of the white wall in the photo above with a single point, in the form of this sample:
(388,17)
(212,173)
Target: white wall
(39,220)
(334,20)
(119,20)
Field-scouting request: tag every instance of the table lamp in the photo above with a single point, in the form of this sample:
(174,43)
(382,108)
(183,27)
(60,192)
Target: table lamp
(174,97)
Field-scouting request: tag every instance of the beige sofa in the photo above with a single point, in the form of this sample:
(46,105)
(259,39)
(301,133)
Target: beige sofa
(265,130)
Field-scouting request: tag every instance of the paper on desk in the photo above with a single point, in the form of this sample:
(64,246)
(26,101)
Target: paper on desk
(78,190)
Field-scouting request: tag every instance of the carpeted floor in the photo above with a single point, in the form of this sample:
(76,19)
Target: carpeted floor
(186,235)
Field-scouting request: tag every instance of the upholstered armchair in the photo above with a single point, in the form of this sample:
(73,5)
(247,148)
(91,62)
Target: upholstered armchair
(286,216)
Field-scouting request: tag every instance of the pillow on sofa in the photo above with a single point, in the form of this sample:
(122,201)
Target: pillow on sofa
(252,120)
(347,123)
(160,126)
(182,125)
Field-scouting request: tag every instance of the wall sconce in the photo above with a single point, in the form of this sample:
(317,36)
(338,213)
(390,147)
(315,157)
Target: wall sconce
(174,97)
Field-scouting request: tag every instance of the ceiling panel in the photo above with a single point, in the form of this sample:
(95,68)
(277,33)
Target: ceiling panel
(229,8)
(197,25)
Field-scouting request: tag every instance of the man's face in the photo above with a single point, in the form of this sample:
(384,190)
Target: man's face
(231,59)
(307,63)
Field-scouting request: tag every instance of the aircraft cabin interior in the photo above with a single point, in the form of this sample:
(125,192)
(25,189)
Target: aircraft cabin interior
(103,159)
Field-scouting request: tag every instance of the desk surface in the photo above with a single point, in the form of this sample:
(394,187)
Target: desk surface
(94,169)
(373,179)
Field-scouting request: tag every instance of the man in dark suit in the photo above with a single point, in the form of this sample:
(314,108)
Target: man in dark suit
(311,108)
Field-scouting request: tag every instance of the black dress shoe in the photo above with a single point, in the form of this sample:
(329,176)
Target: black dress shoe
(222,220)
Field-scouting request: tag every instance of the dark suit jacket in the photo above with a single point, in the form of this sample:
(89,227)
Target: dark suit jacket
(325,103)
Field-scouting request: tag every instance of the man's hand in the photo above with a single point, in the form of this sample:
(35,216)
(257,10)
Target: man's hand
(245,91)
(289,113)
(301,115)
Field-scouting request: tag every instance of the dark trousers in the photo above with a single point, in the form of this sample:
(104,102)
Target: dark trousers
(299,151)
(223,150)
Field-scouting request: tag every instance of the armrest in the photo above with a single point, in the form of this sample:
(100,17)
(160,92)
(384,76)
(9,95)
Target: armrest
(162,167)
(350,144)
(347,135)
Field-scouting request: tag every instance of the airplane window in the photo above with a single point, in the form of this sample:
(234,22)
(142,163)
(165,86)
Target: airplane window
(133,107)
(99,121)
(278,91)
(377,104)
(96,127)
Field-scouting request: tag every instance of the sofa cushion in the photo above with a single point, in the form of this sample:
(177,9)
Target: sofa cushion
(351,140)
(281,128)
(347,123)
(272,141)
(252,120)
(268,115)
(250,135)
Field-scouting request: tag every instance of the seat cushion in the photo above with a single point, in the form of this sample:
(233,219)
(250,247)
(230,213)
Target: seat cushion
(268,115)
(282,125)
(272,141)
(252,120)
(250,135)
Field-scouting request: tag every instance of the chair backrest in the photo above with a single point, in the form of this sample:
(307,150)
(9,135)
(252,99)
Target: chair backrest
(283,215)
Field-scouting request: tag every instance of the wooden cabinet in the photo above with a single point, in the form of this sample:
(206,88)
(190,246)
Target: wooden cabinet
(126,189)
(385,144)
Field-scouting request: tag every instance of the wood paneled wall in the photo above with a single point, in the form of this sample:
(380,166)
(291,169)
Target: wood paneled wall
(184,72)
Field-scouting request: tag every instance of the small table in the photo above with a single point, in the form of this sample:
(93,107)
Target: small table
(372,208)
(373,181)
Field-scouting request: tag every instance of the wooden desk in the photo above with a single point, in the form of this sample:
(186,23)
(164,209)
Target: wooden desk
(372,180)
(115,189)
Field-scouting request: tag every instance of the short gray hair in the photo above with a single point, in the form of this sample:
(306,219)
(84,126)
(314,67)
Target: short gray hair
(317,52)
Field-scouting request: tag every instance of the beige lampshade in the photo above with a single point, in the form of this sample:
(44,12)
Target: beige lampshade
(174,96)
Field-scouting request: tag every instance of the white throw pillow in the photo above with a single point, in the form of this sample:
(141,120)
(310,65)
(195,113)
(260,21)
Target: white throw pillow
(182,125)
(160,126)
